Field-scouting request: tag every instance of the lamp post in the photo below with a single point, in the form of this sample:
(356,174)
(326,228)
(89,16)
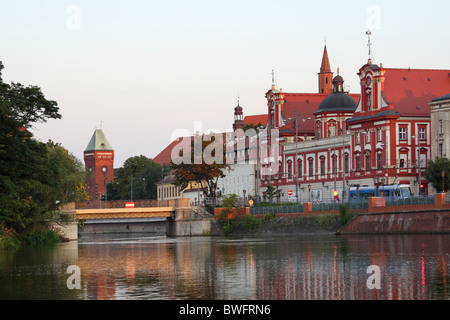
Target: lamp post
(443,176)
(417,137)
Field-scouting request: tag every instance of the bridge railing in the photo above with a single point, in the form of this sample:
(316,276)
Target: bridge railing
(148,203)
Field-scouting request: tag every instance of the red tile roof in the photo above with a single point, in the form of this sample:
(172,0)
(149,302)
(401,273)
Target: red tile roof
(255,119)
(165,156)
(410,90)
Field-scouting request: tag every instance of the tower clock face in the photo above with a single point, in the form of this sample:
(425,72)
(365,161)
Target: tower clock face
(104,169)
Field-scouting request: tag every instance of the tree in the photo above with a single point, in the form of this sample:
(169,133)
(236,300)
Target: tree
(205,171)
(144,172)
(438,174)
(271,192)
(230,205)
(26,172)
(68,175)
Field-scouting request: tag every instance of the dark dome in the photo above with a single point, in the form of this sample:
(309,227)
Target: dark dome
(337,79)
(337,101)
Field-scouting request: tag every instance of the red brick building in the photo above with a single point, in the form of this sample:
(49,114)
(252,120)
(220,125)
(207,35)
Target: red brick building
(99,162)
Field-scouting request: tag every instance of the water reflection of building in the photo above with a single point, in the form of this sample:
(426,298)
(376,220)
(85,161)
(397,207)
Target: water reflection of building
(412,268)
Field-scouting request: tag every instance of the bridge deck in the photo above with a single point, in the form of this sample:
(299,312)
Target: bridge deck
(117,213)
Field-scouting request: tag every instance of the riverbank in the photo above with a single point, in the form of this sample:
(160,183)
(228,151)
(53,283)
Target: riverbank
(10,240)
(283,225)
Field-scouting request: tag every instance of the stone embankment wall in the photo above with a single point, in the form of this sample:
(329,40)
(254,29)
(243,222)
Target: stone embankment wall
(431,221)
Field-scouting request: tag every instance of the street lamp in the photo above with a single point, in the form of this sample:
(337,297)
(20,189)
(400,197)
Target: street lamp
(417,137)
(132,179)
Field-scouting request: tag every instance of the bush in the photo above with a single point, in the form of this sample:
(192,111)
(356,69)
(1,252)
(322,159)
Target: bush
(41,238)
(344,213)
(8,239)
(249,222)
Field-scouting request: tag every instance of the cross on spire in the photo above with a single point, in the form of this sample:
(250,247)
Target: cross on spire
(369,44)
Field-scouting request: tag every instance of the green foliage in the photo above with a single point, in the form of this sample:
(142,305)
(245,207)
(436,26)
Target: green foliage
(344,213)
(326,219)
(33,175)
(9,239)
(434,171)
(230,205)
(249,222)
(145,172)
(204,167)
(271,192)
(269,216)
(44,237)
(27,170)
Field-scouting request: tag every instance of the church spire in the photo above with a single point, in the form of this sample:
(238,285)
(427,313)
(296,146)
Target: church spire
(325,67)
(325,74)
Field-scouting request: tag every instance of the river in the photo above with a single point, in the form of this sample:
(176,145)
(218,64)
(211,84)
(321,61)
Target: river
(303,267)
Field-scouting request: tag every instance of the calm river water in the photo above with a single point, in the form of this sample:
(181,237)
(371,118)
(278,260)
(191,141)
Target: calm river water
(308,267)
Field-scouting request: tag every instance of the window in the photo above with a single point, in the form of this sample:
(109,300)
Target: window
(311,168)
(280,170)
(422,133)
(299,168)
(380,161)
(289,169)
(346,164)
(402,133)
(358,138)
(334,164)
(403,158)
(441,126)
(368,133)
(358,163)
(441,150)
(368,164)
(322,166)
(380,134)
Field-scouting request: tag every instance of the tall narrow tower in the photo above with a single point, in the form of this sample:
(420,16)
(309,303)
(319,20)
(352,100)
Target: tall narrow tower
(325,74)
(99,162)
(238,118)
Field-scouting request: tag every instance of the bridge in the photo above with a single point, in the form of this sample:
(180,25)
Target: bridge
(177,219)
(124,213)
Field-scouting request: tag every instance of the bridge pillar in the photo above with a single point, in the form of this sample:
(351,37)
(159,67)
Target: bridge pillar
(186,224)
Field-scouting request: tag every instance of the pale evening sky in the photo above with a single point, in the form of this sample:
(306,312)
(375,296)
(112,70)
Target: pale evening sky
(144,69)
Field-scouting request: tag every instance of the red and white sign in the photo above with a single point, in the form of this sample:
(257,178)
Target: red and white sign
(290,192)
(129,204)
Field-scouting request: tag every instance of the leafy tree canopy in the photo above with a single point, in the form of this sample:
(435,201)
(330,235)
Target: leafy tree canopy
(33,175)
(438,174)
(145,174)
(201,169)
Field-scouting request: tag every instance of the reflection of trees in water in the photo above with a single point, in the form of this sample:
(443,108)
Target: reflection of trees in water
(282,267)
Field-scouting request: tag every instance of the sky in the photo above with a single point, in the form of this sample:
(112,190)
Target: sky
(146,71)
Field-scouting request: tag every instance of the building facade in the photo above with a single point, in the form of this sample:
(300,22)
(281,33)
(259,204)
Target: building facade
(440,122)
(99,163)
(331,142)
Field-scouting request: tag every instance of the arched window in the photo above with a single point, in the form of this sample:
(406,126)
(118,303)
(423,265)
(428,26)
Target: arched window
(289,167)
(299,168)
(311,167)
